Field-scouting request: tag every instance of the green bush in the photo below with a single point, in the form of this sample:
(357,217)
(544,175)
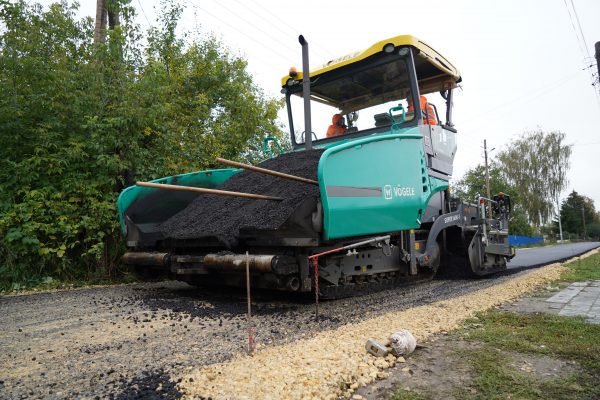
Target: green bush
(80,121)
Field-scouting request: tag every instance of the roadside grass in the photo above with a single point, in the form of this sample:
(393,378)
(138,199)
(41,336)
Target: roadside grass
(566,338)
(407,395)
(586,269)
(498,335)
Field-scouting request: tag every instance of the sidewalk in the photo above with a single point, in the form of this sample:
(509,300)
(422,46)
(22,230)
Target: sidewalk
(578,299)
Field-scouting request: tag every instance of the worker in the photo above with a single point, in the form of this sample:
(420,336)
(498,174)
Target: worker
(337,126)
(428,117)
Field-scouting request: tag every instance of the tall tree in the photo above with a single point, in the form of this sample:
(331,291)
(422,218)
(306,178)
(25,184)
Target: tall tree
(537,164)
(578,213)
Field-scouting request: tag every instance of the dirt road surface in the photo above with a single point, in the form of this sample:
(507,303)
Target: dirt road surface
(136,341)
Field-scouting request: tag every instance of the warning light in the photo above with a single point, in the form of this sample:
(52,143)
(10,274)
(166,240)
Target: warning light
(481,201)
(293,72)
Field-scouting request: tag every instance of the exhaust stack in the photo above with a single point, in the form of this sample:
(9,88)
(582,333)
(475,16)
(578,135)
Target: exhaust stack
(306,93)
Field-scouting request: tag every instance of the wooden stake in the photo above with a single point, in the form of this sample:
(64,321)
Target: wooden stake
(209,191)
(266,171)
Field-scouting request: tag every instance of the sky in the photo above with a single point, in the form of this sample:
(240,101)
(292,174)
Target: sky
(525,64)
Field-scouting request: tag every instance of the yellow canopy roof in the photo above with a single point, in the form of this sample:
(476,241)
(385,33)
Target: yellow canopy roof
(443,76)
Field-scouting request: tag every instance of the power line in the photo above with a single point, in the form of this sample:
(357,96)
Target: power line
(292,29)
(275,52)
(144,13)
(541,91)
(574,29)
(580,30)
(530,95)
(581,40)
(587,51)
(271,24)
(256,27)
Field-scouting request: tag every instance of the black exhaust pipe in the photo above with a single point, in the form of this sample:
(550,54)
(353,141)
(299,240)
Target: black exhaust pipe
(306,93)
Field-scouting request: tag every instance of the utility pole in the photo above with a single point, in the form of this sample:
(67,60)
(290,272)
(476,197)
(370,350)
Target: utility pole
(597,46)
(487,177)
(101,21)
(105,16)
(583,218)
(559,219)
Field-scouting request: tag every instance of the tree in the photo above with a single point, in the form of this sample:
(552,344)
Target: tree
(79,120)
(473,184)
(537,164)
(593,231)
(574,210)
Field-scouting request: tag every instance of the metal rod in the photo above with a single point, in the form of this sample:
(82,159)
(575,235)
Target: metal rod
(266,171)
(249,315)
(368,241)
(413,256)
(209,191)
(315,263)
(351,246)
(487,176)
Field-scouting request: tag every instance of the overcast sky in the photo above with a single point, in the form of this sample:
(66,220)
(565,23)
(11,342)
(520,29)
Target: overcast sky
(523,62)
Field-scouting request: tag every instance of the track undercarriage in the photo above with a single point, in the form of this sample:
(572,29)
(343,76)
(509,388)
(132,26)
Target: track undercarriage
(345,268)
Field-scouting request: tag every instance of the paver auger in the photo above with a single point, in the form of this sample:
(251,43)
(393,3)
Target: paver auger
(376,188)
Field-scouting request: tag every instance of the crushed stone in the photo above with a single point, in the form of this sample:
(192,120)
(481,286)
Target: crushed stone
(334,363)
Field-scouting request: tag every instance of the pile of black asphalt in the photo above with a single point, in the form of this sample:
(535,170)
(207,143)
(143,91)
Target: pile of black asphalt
(222,217)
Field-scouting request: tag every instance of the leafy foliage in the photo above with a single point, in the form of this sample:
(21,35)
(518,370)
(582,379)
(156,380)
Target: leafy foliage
(80,121)
(473,183)
(537,164)
(574,209)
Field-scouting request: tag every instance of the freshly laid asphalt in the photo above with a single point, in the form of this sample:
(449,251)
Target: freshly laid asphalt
(537,256)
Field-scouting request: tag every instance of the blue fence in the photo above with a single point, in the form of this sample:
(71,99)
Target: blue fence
(515,240)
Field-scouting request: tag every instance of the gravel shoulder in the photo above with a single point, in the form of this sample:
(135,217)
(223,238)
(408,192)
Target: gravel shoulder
(148,340)
(333,363)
